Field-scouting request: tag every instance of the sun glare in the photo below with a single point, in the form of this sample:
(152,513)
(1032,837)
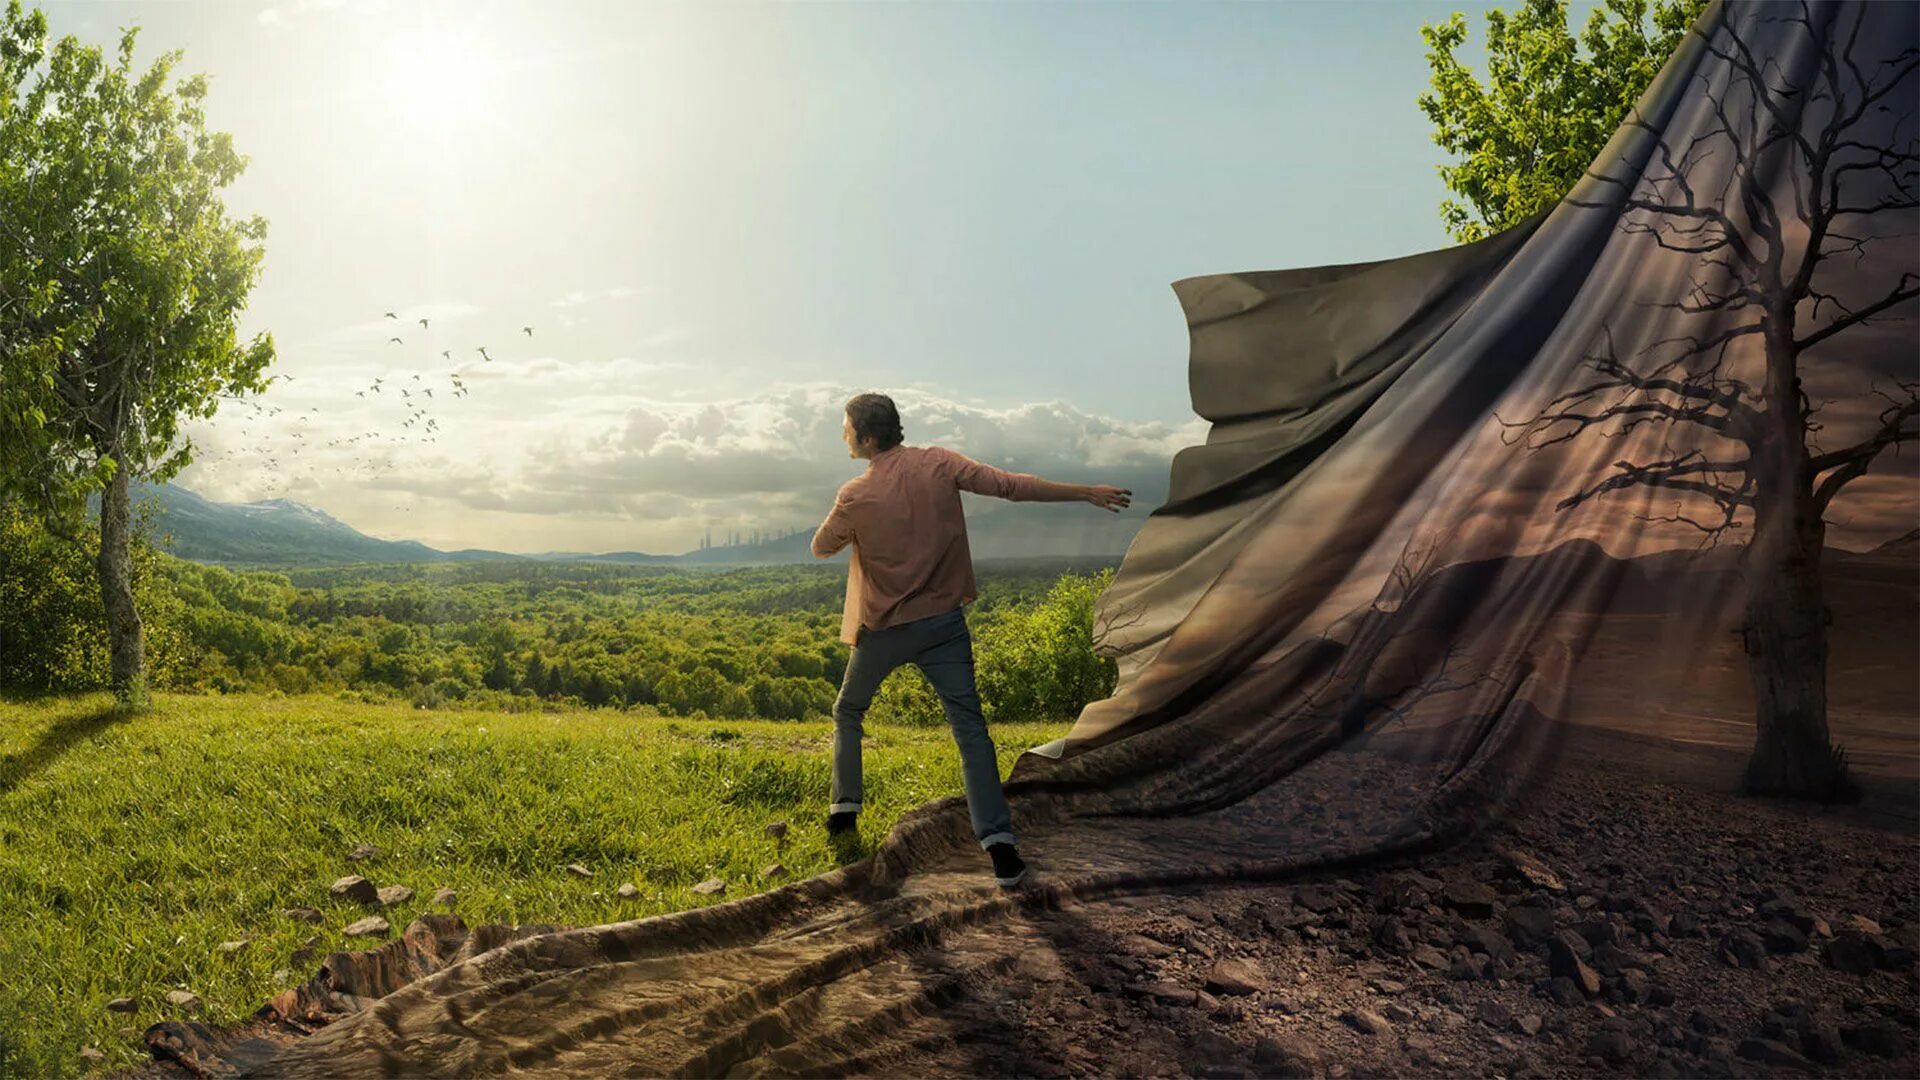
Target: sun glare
(439,80)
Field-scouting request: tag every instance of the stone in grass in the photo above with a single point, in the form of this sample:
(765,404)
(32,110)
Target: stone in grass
(362,852)
(777,830)
(303,914)
(773,870)
(578,870)
(627,890)
(183,999)
(122,1005)
(371,926)
(307,951)
(395,894)
(91,1053)
(444,897)
(355,888)
(713,886)
(233,946)
(1366,1021)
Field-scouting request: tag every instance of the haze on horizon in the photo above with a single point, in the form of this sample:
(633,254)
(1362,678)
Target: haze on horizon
(722,220)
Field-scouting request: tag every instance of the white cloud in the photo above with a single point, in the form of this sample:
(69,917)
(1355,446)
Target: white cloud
(551,455)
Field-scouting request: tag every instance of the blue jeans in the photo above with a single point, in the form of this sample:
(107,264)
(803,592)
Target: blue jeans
(943,649)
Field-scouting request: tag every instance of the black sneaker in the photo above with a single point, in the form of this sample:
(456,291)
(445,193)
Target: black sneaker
(842,822)
(1008,870)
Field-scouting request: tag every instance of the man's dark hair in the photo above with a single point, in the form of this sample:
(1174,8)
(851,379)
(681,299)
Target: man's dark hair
(874,417)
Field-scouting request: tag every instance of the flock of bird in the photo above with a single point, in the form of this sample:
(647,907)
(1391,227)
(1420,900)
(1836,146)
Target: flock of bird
(412,393)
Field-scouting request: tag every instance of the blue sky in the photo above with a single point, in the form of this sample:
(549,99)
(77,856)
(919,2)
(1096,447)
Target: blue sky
(722,219)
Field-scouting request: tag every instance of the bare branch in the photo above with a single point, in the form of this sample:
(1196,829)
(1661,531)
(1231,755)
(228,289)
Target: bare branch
(1854,460)
(1901,293)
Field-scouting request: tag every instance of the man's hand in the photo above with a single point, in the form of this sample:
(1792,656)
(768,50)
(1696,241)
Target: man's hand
(1108,498)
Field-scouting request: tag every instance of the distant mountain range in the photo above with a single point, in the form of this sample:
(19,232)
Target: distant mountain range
(281,532)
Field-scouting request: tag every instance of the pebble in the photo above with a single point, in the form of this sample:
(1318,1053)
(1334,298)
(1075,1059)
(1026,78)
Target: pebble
(355,888)
(1367,1022)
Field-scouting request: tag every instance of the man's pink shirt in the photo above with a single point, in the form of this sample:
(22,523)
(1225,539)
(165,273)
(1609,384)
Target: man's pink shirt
(909,536)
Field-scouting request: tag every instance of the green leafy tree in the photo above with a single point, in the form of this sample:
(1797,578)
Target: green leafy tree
(1548,110)
(120,281)
(52,630)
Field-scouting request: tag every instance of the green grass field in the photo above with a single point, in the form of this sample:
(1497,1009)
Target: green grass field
(133,845)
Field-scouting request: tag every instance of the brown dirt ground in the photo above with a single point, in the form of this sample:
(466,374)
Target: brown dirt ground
(1642,834)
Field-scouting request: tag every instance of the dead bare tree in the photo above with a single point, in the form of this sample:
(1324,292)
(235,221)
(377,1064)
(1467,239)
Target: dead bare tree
(1389,663)
(1850,160)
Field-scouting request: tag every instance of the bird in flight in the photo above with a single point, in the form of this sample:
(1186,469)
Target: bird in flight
(396,341)
(429,391)
(482,350)
(448,353)
(391,315)
(527,330)
(423,324)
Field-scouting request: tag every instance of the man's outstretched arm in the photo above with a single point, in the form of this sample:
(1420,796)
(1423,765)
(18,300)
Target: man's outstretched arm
(983,479)
(835,532)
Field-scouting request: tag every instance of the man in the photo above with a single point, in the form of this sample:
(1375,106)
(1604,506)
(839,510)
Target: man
(907,581)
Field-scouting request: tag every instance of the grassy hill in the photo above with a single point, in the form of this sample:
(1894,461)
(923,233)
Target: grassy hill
(132,848)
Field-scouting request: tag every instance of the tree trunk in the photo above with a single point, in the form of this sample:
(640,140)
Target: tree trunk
(1785,631)
(1784,638)
(125,644)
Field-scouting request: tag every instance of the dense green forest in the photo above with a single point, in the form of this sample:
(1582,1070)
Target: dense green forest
(706,642)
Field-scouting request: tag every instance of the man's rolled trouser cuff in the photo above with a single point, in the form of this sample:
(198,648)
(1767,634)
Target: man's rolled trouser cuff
(843,807)
(996,838)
